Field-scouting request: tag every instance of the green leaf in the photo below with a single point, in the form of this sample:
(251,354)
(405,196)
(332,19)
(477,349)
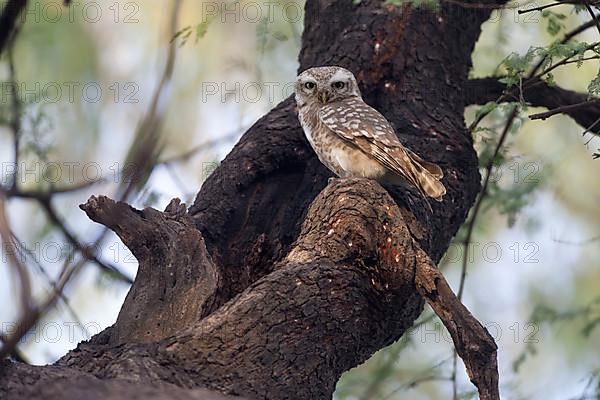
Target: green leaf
(589,327)
(550,79)
(262,30)
(433,5)
(282,37)
(510,80)
(181,32)
(185,33)
(486,109)
(594,86)
(554,21)
(202,28)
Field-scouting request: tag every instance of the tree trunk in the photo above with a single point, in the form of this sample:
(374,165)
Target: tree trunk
(275,282)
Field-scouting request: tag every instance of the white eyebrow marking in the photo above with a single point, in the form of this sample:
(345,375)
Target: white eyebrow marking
(340,75)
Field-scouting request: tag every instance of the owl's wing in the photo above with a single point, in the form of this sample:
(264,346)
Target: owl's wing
(353,118)
(363,126)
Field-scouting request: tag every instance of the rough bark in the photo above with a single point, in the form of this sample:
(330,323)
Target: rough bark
(176,281)
(274,283)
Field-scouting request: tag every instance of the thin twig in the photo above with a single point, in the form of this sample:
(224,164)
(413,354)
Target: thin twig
(580,243)
(532,76)
(558,3)
(40,194)
(85,250)
(471,226)
(51,282)
(416,382)
(45,200)
(17,108)
(541,8)
(568,36)
(147,144)
(17,354)
(9,20)
(482,194)
(28,320)
(582,60)
(562,109)
(589,128)
(485,6)
(9,248)
(201,147)
(594,17)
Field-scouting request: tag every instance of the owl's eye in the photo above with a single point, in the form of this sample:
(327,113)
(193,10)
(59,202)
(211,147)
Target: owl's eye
(309,85)
(338,85)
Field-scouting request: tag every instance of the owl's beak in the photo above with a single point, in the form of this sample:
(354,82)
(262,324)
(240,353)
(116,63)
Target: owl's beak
(324,96)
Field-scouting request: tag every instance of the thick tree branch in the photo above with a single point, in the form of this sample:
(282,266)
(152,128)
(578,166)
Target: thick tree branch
(349,286)
(472,341)
(23,382)
(539,94)
(161,301)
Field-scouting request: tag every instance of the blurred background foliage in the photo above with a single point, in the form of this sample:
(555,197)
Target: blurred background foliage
(533,261)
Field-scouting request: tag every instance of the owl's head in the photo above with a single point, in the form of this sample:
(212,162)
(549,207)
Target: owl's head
(325,85)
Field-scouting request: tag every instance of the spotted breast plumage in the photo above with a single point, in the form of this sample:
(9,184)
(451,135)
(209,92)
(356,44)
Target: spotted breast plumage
(353,139)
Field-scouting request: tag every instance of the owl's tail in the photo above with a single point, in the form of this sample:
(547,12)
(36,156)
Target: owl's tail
(407,168)
(428,176)
(431,186)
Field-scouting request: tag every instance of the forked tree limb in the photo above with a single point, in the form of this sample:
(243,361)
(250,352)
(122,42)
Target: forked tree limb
(176,285)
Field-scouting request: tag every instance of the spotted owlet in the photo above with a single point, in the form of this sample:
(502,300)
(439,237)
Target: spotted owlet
(353,139)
